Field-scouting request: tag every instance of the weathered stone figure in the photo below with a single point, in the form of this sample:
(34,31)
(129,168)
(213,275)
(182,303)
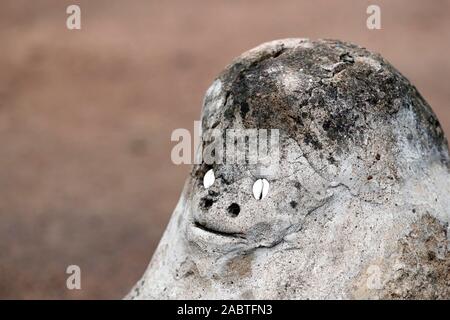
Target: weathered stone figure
(358,207)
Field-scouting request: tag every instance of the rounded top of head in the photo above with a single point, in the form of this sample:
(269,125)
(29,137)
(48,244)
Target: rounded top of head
(330,96)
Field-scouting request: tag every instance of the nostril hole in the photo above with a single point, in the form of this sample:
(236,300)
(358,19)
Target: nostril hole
(234,210)
(206,203)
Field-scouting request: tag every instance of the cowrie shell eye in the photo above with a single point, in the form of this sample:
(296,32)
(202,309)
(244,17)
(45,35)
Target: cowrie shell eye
(260,189)
(209,178)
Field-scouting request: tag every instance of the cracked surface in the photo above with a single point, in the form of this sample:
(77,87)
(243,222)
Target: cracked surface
(363,164)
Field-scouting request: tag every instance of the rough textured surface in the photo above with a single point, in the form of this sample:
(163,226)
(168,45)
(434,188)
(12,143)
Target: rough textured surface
(358,207)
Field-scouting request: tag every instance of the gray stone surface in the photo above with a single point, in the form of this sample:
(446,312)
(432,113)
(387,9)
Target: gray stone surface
(358,207)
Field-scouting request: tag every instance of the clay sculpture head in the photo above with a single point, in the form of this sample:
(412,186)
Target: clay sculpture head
(353,203)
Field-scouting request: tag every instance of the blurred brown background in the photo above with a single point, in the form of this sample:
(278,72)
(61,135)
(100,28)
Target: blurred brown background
(86,117)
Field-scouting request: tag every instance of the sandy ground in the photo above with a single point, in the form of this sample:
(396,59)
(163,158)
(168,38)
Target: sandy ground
(86,117)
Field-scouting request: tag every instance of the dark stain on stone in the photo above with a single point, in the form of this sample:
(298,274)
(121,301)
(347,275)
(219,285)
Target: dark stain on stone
(347,57)
(244,109)
(312,140)
(213,193)
(331,159)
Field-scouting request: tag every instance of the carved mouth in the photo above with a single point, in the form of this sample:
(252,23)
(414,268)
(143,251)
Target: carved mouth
(237,235)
